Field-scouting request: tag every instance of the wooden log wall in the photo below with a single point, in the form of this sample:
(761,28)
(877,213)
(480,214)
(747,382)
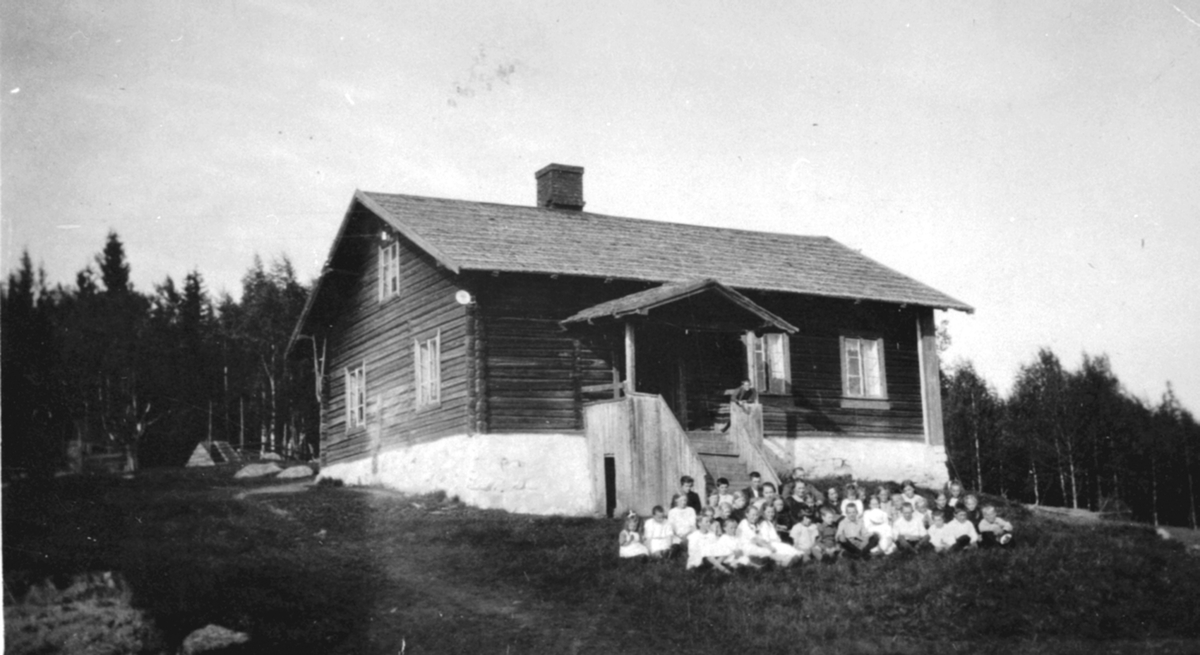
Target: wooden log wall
(815,405)
(381,335)
(534,368)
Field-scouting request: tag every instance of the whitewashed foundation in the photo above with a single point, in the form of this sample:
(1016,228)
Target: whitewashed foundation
(867,459)
(526,473)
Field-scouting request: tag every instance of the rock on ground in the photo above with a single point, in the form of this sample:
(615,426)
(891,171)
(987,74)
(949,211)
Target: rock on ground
(257,470)
(296,472)
(212,638)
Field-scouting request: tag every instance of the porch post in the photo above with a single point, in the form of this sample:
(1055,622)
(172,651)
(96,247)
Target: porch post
(630,359)
(931,387)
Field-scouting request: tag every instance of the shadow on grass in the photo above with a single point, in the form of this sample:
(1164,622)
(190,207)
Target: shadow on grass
(192,555)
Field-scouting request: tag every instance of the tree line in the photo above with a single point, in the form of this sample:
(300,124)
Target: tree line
(1073,439)
(150,375)
(102,366)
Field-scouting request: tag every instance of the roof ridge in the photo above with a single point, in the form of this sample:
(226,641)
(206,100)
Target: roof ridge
(580,212)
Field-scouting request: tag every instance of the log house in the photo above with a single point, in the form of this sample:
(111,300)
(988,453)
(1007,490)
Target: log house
(550,360)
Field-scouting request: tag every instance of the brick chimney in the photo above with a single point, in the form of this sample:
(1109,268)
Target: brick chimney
(560,187)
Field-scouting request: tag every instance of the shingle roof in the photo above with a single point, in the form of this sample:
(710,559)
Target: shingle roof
(644,301)
(467,235)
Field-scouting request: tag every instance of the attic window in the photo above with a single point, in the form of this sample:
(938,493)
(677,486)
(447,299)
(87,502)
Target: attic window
(389,270)
(769,362)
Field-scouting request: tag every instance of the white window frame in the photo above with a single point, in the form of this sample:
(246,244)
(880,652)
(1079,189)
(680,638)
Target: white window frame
(769,362)
(389,270)
(864,373)
(427,371)
(356,396)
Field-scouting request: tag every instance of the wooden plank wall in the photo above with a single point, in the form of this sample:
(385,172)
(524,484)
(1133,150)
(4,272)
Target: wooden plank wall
(650,449)
(381,335)
(535,369)
(814,407)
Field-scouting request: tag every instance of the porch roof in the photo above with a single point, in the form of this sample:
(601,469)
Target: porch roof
(642,302)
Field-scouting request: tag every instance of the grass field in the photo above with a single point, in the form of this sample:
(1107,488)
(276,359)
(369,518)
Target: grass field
(339,570)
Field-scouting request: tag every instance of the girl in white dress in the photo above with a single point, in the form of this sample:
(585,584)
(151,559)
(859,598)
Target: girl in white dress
(877,521)
(631,538)
(657,533)
(851,498)
(682,519)
(750,539)
(727,550)
(783,554)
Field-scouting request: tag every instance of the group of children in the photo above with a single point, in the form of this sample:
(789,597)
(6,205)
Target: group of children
(758,525)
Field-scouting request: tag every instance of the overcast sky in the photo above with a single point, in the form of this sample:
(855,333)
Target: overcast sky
(1039,160)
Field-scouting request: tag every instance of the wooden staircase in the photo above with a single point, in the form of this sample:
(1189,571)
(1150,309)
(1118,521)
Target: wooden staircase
(720,457)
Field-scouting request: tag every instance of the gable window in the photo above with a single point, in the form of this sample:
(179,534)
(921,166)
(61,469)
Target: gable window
(862,368)
(769,361)
(427,363)
(356,396)
(389,270)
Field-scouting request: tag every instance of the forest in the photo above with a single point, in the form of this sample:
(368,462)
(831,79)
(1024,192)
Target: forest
(148,375)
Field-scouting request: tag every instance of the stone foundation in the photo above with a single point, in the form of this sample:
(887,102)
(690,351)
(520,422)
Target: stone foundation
(866,459)
(526,473)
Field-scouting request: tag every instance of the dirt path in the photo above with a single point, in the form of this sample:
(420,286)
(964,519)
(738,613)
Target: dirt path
(419,590)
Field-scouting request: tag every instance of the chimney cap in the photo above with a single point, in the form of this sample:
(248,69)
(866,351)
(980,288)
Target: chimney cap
(558,167)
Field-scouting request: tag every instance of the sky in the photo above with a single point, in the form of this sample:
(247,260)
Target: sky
(1039,161)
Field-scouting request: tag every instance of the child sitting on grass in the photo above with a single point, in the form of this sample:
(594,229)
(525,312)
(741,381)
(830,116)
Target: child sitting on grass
(658,533)
(851,498)
(738,511)
(954,494)
(833,501)
(750,538)
(908,494)
(826,546)
(682,519)
(686,483)
(631,538)
(974,514)
(783,519)
(853,536)
(993,530)
(910,530)
(942,506)
(961,530)
(724,495)
(879,524)
(782,553)
(727,550)
(939,533)
(699,546)
(804,536)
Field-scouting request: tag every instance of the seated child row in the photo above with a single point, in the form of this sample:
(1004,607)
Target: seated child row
(748,532)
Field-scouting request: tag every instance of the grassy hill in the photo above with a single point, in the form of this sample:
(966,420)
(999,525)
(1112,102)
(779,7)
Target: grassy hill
(339,570)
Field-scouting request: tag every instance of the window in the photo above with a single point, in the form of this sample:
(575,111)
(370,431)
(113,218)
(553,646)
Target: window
(862,368)
(427,362)
(389,270)
(356,396)
(769,360)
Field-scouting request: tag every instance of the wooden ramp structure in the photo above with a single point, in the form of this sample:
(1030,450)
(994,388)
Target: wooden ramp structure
(637,452)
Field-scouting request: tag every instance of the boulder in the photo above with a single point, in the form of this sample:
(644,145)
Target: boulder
(257,470)
(296,472)
(271,456)
(212,638)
